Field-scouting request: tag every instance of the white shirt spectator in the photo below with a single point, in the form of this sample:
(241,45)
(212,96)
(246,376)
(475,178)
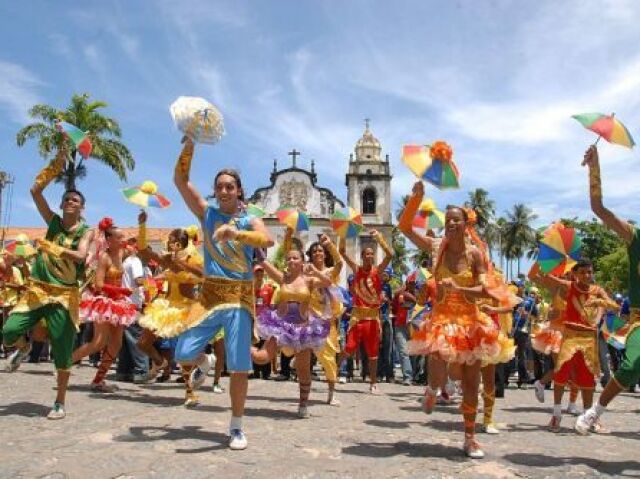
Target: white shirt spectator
(133,271)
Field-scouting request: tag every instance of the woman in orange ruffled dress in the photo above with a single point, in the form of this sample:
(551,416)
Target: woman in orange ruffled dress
(457,332)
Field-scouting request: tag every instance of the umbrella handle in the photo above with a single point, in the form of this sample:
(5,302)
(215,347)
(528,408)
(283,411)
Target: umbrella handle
(597,140)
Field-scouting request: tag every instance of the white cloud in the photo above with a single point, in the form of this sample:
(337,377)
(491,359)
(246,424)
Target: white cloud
(18,91)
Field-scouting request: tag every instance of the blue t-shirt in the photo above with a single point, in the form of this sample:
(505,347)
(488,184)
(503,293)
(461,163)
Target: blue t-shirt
(522,315)
(384,308)
(227,259)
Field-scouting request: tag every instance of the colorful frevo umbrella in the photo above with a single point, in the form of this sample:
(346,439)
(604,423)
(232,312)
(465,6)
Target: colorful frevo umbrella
(432,163)
(559,249)
(255,210)
(347,223)
(607,127)
(420,275)
(146,195)
(21,246)
(79,138)
(293,218)
(428,216)
(615,330)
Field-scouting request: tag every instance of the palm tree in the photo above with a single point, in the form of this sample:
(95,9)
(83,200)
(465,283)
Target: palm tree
(104,133)
(399,245)
(518,234)
(484,207)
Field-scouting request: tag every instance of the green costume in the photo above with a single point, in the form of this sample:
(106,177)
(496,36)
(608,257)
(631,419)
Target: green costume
(629,372)
(53,294)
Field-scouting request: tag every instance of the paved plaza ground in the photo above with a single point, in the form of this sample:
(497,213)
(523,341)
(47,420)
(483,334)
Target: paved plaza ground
(144,431)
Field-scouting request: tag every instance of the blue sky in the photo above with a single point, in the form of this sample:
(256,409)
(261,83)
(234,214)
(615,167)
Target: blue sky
(496,79)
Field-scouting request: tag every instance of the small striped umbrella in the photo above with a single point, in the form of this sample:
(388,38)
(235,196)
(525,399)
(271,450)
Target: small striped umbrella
(293,218)
(347,223)
(607,127)
(146,195)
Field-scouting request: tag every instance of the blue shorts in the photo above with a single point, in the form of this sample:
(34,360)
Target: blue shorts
(238,331)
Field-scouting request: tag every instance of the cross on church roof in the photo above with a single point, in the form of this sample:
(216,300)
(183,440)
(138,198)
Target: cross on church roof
(294,154)
(366,123)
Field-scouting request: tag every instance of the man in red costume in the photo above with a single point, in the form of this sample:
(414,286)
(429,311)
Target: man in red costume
(364,325)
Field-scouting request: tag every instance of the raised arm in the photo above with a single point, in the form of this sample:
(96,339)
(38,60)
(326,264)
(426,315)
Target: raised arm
(46,175)
(621,227)
(405,223)
(273,272)
(336,269)
(551,283)
(388,252)
(196,203)
(317,278)
(342,247)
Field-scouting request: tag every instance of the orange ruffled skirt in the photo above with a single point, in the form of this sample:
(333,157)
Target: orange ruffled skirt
(460,333)
(548,339)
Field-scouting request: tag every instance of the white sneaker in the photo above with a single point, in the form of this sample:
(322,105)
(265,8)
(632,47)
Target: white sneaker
(237,441)
(218,389)
(303,412)
(539,391)
(573,409)
(342,380)
(15,358)
(586,422)
(490,429)
(57,412)
(472,449)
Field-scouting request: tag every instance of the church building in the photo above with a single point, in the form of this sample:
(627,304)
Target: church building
(368,182)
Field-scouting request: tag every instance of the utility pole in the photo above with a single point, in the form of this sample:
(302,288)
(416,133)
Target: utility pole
(5,179)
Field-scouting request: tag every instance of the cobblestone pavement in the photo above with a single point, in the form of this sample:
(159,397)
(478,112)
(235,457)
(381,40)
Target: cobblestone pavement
(144,431)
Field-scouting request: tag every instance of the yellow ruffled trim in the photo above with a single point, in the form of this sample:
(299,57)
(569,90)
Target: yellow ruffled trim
(168,319)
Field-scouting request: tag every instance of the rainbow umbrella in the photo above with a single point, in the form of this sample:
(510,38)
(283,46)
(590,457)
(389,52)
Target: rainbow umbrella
(293,218)
(615,330)
(21,246)
(347,223)
(79,138)
(420,275)
(146,195)
(559,249)
(428,216)
(432,163)
(607,127)
(255,210)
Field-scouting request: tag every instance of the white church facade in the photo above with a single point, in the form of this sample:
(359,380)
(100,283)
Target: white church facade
(368,182)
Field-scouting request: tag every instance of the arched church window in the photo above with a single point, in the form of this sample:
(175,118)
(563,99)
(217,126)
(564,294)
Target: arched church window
(369,201)
(369,172)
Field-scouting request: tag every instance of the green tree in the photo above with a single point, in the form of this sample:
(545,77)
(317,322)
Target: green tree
(399,245)
(612,271)
(518,234)
(104,133)
(484,207)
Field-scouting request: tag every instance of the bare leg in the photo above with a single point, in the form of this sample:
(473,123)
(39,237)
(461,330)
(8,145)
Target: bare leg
(62,382)
(470,386)
(239,384)
(488,393)
(145,343)
(101,333)
(303,367)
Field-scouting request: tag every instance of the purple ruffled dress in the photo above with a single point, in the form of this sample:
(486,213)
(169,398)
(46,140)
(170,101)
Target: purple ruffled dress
(292,330)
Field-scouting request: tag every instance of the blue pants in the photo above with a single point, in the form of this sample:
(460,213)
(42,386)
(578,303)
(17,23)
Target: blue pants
(238,331)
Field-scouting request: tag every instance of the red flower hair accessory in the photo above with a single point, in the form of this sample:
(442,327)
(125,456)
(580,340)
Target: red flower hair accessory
(105,223)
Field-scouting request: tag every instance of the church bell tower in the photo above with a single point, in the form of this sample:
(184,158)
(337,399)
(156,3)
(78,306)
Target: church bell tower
(369,190)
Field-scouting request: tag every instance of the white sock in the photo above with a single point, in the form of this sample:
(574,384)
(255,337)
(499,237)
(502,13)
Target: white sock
(571,404)
(557,410)
(599,409)
(235,423)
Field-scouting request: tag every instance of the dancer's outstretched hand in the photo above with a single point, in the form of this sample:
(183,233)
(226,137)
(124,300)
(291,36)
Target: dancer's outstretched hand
(591,157)
(418,188)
